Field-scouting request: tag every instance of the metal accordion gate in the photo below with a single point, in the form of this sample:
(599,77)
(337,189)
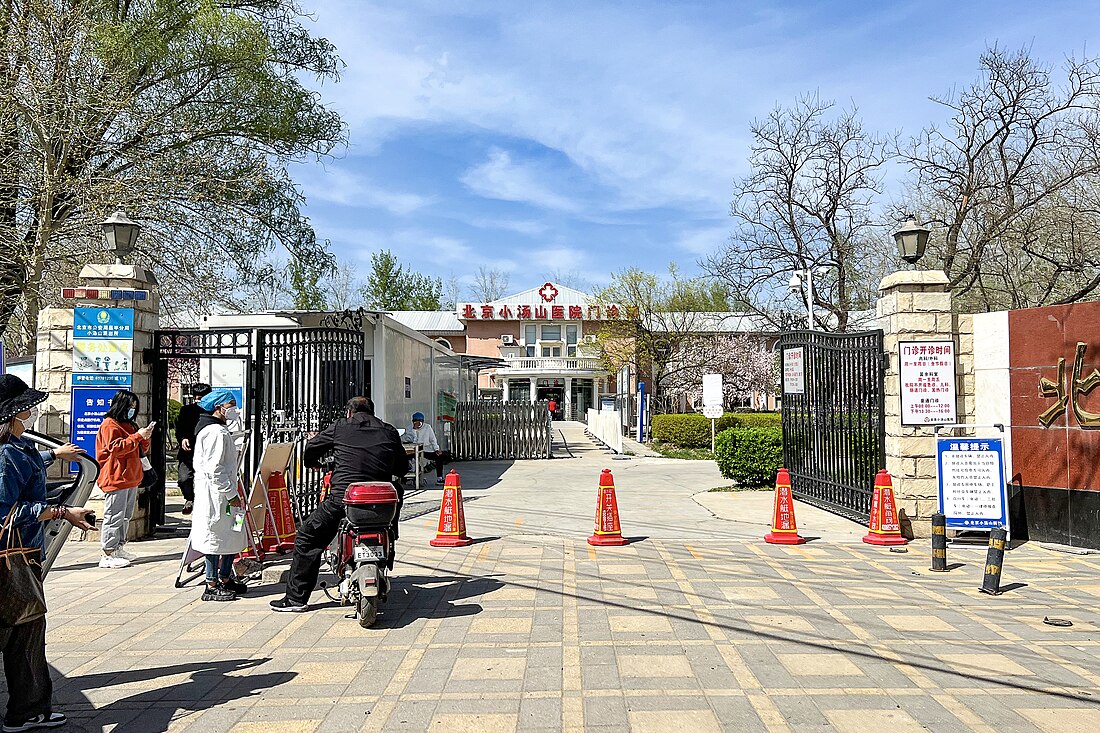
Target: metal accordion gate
(296,381)
(488,430)
(834,435)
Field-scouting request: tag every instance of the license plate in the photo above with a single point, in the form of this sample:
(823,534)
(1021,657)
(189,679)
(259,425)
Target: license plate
(364,553)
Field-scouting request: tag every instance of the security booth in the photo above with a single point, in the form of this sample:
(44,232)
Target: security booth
(293,373)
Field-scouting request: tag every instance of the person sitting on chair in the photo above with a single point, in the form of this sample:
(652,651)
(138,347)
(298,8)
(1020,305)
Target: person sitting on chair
(422,434)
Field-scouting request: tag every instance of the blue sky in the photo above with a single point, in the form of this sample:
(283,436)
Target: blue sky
(538,137)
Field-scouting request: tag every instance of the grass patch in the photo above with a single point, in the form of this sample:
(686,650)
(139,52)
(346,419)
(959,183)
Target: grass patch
(668,450)
(739,488)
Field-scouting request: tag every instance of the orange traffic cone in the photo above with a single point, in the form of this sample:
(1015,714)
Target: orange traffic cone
(607,532)
(452,518)
(784,527)
(884,528)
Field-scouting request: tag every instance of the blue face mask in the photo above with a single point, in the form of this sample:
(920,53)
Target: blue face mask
(131,413)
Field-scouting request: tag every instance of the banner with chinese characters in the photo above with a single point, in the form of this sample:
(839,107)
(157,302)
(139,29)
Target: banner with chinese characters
(927,370)
(103,348)
(972,489)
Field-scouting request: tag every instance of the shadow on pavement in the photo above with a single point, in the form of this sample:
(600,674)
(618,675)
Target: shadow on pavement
(142,560)
(209,684)
(433,596)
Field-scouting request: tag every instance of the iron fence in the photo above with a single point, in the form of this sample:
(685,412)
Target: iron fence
(487,430)
(834,437)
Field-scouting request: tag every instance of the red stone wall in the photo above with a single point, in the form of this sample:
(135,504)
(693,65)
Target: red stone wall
(1064,455)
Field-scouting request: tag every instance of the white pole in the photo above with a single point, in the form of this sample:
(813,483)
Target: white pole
(810,297)
(712,436)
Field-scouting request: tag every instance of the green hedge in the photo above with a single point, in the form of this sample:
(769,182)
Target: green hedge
(693,430)
(750,456)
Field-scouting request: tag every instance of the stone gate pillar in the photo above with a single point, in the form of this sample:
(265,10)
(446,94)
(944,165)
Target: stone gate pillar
(913,305)
(54,360)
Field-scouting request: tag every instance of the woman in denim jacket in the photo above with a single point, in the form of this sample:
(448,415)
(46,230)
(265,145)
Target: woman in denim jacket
(23,500)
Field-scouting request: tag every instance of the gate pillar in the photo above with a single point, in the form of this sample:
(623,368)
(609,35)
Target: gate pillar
(54,361)
(914,305)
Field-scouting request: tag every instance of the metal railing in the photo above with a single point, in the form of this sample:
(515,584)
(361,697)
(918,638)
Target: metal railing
(487,430)
(606,427)
(553,364)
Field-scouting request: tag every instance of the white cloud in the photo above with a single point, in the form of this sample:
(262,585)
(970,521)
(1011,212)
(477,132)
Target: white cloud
(341,186)
(501,178)
(703,241)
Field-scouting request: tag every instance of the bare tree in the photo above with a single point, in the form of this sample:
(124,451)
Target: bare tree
(807,203)
(489,284)
(344,288)
(570,279)
(1010,183)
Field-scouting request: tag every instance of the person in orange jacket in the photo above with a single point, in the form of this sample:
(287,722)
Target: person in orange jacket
(119,445)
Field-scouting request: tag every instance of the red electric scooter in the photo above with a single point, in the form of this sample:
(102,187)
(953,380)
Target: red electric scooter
(360,554)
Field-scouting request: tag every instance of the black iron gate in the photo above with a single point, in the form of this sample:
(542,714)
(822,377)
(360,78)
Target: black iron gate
(297,381)
(834,434)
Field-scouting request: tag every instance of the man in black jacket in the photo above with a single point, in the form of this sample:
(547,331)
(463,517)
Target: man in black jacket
(186,422)
(366,449)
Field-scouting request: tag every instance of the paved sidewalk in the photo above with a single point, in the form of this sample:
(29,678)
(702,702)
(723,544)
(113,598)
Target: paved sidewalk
(698,627)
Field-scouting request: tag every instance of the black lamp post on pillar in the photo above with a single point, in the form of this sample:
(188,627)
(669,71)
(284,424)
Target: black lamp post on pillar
(121,234)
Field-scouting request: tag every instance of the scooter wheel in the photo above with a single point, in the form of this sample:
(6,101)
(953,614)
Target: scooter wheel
(368,611)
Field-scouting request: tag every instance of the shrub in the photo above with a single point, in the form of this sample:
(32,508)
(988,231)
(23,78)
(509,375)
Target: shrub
(688,431)
(173,414)
(693,430)
(750,456)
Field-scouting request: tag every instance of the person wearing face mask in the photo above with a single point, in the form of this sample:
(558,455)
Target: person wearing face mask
(119,445)
(23,509)
(214,529)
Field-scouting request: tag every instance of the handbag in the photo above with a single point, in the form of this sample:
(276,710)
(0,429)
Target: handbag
(20,580)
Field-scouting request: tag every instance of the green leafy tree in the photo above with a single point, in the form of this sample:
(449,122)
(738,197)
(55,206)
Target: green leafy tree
(392,287)
(184,113)
(661,317)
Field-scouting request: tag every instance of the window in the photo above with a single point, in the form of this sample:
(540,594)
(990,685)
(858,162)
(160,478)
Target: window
(531,350)
(571,340)
(529,334)
(551,351)
(551,333)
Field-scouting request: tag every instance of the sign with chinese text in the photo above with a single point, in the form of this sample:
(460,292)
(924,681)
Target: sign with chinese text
(794,370)
(972,487)
(103,348)
(927,371)
(538,312)
(90,405)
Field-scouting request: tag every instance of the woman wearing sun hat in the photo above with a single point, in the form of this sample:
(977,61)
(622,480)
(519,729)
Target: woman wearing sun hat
(23,502)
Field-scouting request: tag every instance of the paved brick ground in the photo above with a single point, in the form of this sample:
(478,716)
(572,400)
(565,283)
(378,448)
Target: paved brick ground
(537,631)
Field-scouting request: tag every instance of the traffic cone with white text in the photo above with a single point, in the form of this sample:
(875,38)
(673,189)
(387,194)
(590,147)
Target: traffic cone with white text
(784,527)
(607,532)
(452,518)
(884,528)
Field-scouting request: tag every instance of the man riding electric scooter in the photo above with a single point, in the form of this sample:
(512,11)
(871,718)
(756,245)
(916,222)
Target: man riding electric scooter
(365,449)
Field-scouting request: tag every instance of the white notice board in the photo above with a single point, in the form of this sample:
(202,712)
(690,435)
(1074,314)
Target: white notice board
(927,371)
(712,390)
(973,494)
(794,370)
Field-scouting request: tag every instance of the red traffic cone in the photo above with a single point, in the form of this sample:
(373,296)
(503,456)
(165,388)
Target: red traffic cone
(452,518)
(784,527)
(607,532)
(884,528)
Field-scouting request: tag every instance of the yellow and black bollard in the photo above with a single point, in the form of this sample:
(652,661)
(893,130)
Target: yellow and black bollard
(939,543)
(994,559)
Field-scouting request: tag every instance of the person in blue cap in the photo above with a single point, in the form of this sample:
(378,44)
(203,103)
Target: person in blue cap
(216,527)
(421,433)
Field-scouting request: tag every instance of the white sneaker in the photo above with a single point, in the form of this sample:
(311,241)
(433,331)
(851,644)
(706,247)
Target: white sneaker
(113,561)
(125,554)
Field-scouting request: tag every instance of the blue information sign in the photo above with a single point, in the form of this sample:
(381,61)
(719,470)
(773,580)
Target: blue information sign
(90,404)
(103,344)
(103,324)
(972,489)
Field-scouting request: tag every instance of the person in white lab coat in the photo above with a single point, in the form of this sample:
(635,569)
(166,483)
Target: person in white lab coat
(420,432)
(216,529)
